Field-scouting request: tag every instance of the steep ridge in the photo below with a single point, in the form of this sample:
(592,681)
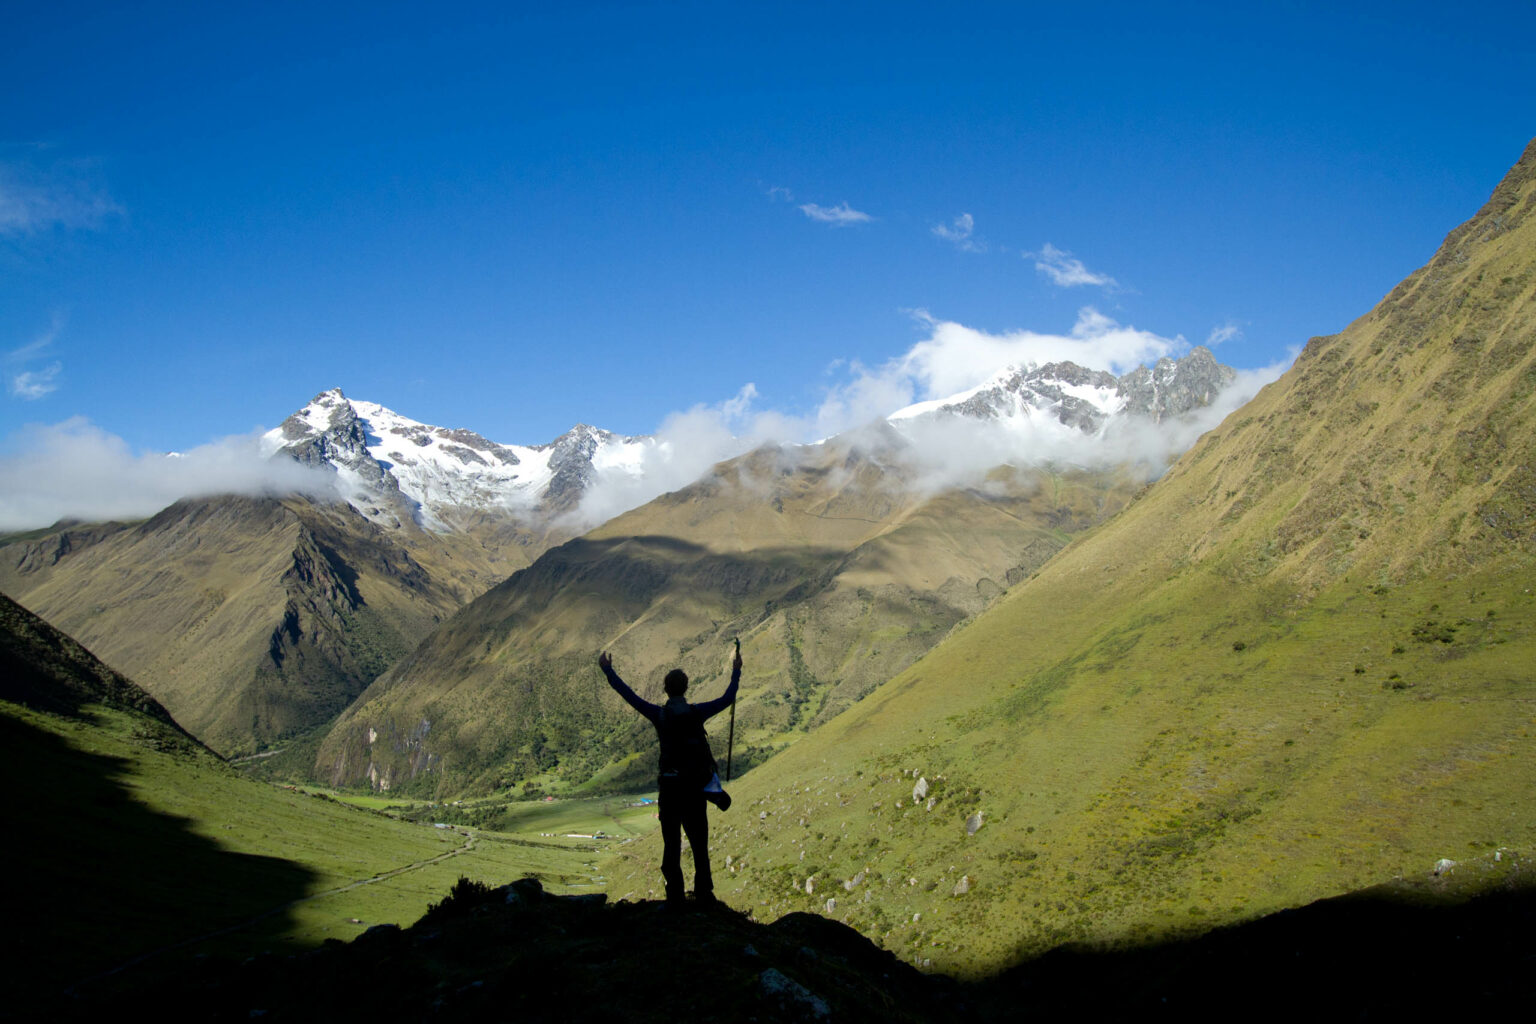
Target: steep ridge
(254,618)
(48,670)
(70,726)
(1299,665)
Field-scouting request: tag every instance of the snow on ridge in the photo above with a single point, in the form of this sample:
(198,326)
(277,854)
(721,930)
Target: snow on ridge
(997,380)
(935,404)
(440,471)
(393,467)
(1108,401)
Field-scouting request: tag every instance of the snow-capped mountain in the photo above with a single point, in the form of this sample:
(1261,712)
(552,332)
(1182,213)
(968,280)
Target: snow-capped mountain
(394,469)
(1065,395)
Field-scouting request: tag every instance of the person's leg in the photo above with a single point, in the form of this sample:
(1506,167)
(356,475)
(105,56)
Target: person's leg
(669,811)
(695,822)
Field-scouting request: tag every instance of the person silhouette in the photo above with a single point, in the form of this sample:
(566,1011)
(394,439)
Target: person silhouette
(688,776)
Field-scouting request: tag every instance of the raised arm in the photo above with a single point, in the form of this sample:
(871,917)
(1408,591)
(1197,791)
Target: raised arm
(645,707)
(720,703)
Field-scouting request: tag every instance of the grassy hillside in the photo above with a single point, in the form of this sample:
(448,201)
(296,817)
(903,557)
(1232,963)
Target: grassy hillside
(251,618)
(1300,664)
(832,568)
(136,852)
(130,842)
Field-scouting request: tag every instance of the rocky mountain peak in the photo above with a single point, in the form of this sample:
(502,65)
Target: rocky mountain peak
(1173,387)
(1067,372)
(571,466)
(327,433)
(1085,399)
(393,468)
(583,437)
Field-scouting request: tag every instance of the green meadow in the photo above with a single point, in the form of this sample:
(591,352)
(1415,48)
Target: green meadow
(133,847)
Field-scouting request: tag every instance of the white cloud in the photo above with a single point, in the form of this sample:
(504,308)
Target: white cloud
(687,445)
(954,357)
(77,470)
(946,452)
(934,452)
(840,215)
(63,195)
(1225,332)
(38,345)
(869,395)
(940,452)
(34,384)
(1065,271)
(737,408)
(778,192)
(960,234)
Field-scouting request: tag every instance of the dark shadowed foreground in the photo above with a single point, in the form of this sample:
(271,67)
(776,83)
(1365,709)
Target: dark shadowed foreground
(516,953)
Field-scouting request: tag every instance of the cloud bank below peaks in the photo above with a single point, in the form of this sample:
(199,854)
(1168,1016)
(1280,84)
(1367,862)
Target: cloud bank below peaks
(954,358)
(684,448)
(935,452)
(76,470)
(942,452)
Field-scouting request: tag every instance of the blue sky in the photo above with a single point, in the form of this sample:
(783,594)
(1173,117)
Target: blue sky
(511,218)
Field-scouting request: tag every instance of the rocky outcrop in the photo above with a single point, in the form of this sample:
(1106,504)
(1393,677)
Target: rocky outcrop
(517,951)
(1175,387)
(570,464)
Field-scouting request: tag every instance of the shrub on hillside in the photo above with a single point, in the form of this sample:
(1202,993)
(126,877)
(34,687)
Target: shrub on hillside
(461,900)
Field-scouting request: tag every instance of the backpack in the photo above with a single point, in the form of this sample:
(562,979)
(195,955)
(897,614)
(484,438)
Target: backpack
(684,747)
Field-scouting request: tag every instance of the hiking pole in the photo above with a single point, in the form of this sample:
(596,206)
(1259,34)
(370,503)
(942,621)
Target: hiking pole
(730,741)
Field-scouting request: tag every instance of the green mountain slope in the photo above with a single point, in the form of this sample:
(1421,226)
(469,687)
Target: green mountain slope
(252,618)
(1299,665)
(85,862)
(834,571)
(129,843)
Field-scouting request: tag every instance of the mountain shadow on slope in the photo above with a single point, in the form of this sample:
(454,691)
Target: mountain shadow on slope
(96,878)
(44,668)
